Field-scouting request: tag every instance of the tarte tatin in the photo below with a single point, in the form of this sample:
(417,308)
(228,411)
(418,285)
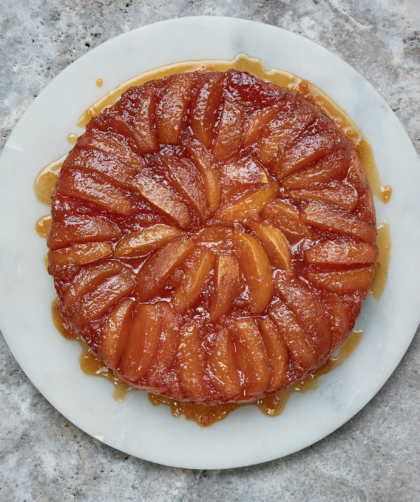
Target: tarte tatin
(212,238)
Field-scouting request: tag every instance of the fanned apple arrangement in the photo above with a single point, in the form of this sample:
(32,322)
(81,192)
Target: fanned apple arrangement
(213,237)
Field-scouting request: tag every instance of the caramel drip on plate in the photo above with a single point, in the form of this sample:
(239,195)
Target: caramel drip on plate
(255,66)
(271,406)
(205,415)
(46,179)
(72,138)
(89,363)
(43,225)
(99,82)
(383,241)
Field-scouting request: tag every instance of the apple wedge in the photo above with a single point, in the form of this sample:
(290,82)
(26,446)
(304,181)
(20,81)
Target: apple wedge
(81,229)
(257,270)
(197,267)
(162,198)
(342,252)
(224,375)
(299,344)
(286,218)
(191,363)
(94,189)
(334,220)
(204,108)
(80,254)
(274,243)
(187,181)
(252,357)
(172,105)
(249,205)
(344,281)
(340,320)
(157,268)
(277,352)
(145,241)
(205,164)
(230,135)
(142,343)
(339,194)
(144,122)
(115,333)
(227,286)
(257,122)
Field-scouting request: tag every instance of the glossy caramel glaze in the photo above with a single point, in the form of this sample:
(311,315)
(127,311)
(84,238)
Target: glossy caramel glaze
(255,66)
(99,82)
(213,237)
(72,138)
(43,225)
(271,406)
(46,179)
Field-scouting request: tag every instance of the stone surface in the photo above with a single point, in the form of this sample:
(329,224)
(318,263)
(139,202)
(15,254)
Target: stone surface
(374,457)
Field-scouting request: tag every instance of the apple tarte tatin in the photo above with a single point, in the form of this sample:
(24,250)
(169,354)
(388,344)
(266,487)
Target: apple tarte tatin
(212,238)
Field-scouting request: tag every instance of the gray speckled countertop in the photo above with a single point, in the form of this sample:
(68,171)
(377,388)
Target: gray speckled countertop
(375,456)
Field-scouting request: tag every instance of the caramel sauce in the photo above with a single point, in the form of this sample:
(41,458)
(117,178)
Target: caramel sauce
(43,225)
(72,138)
(46,179)
(99,82)
(89,363)
(271,406)
(242,62)
(383,241)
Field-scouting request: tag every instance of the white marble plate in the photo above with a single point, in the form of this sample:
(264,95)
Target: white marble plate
(26,291)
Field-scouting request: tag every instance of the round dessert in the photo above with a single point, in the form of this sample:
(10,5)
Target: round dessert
(213,237)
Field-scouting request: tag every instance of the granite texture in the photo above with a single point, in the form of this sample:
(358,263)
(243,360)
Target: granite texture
(375,456)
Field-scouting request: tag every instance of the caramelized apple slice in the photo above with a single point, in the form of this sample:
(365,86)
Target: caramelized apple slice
(84,186)
(344,281)
(146,240)
(257,121)
(257,271)
(227,286)
(287,219)
(204,108)
(146,135)
(191,363)
(250,205)
(109,144)
(339,194)
(142,343)
(187,181)
(197,268)
(204,162)
(277,353)
(326,218)
(309,149)
(172,106)
(327,169)
(252,358)
(296,340)
(169,341)
(274,243)
(89,279)
(340,320)
(230,135)
(342,252)
(310,313)
(94,304)
(159,266)
(115,333)
(80,254)
(356,175)
(224,374)
(81,229)
(284,130)
(213,234)
(108,166)
(162,198)
(247,170)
